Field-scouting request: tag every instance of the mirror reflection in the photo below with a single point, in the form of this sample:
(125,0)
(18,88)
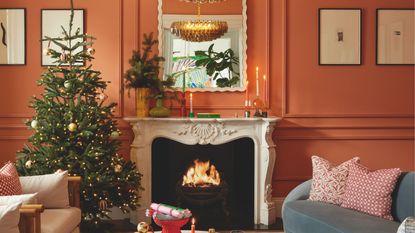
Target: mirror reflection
(205,51)
(12,37)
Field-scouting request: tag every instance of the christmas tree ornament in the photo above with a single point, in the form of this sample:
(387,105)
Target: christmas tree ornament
(102,97)
(47,52)
(143,227)
(64,56)
(91,51)
(28,164)
(103,205)
(115,135)
(118,168)
(72,127)
(34,124)
(67,84)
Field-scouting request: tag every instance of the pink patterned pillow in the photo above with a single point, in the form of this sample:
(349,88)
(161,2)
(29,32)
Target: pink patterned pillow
(329,182)
(9,180)
(370,192)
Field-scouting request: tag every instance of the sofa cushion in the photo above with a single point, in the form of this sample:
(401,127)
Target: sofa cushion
(52,189)
(329,181)
(60,220)
(24,199)
(9,180)
(309,216)
(9,218)
(370,192)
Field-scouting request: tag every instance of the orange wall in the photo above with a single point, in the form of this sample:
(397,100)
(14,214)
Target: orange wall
(337,111)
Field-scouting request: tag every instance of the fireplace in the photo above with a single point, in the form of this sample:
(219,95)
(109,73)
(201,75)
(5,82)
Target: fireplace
(216,182)
(192,139)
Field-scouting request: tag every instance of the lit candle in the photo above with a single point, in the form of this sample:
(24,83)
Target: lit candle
(257,81)
(247,94)
(191,102)
(193,226)
(265,90)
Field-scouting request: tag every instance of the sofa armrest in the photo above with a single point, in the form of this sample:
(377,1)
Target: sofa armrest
(301,192)
(30,218)
(74,187)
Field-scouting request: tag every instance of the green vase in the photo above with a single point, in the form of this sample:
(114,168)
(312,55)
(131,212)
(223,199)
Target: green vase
(160,110)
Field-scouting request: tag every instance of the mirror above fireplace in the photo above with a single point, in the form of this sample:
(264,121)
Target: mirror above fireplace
(189,61)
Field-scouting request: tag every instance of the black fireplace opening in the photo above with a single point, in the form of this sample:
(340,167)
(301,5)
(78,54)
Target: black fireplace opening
(216,182)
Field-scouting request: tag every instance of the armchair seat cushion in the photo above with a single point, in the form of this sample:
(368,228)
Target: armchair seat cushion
(60,220)
(309,216)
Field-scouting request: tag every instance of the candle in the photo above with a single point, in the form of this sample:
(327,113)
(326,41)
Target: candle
(265,90)
(193,226)
(191,102)
(257,81)
(247,93)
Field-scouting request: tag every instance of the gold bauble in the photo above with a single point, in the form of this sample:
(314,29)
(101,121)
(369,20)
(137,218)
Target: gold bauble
(118,168)
(28,164)
(143,227)
(72,127)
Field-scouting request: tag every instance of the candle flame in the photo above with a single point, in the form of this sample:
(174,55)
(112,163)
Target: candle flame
(193,221)
(257,69)
(191,95)
(265,77)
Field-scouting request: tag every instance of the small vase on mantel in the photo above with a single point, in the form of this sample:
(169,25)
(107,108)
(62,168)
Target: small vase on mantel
(142,95)
(160,110)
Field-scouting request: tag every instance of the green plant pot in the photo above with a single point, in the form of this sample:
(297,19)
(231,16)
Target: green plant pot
(160,110)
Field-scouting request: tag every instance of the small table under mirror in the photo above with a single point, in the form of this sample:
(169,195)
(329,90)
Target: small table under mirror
(198,64)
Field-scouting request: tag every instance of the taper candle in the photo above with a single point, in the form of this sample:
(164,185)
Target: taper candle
(265,90)
(184,79)
(247,92)
(193,227)
(191,102)
(257,81)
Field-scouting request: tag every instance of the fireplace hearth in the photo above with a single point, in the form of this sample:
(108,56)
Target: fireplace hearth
(200,133)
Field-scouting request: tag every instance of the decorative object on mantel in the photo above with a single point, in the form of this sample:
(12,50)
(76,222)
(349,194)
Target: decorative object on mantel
(143,76)
(191,113)
(257,102)
(199,30)
(208,115)
(193,131)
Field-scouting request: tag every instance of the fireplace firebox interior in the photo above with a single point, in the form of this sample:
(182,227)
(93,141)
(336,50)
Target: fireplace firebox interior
(216,182)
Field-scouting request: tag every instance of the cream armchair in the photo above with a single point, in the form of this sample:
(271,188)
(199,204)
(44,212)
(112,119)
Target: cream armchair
(31,215)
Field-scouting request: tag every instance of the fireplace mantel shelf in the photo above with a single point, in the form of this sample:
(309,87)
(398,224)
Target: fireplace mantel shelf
(203,131)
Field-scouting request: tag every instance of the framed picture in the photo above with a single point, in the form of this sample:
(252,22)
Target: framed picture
(52,22)
(12,36)
(395,38)
(340,36)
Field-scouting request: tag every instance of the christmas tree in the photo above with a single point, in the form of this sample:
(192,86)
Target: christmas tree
(74,130)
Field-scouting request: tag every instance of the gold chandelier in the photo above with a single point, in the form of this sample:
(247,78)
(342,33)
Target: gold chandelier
(199,30)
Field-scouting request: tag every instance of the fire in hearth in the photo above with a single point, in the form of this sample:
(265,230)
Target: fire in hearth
(201,174)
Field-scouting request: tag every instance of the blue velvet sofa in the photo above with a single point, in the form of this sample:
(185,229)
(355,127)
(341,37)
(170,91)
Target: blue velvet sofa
(302,216)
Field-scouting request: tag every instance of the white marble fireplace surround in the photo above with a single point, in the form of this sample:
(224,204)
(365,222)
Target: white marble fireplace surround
(208,131)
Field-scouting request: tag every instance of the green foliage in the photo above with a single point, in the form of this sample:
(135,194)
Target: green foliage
(215,62)
(74,130)
(145,67)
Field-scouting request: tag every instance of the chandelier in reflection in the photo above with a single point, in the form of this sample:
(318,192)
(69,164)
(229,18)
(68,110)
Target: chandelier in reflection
(199,30)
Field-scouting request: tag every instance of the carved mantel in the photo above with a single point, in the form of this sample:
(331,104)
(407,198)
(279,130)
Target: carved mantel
(208,131)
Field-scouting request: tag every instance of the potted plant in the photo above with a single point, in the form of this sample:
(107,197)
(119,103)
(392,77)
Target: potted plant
(143,76)
(216,62)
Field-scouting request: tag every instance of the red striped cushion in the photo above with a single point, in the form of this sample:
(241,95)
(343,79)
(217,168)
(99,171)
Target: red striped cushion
(9,180)
(370,192)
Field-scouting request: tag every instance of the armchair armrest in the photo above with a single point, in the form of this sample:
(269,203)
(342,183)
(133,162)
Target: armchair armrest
(74,187)
(30,218)
(301,192)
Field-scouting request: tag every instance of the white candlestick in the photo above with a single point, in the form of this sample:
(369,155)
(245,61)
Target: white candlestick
(257,81)
(191,102)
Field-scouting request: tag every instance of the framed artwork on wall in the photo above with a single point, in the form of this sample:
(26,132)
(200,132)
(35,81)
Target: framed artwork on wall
(12,36)
(340,36)
(395,36)
(52,21)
